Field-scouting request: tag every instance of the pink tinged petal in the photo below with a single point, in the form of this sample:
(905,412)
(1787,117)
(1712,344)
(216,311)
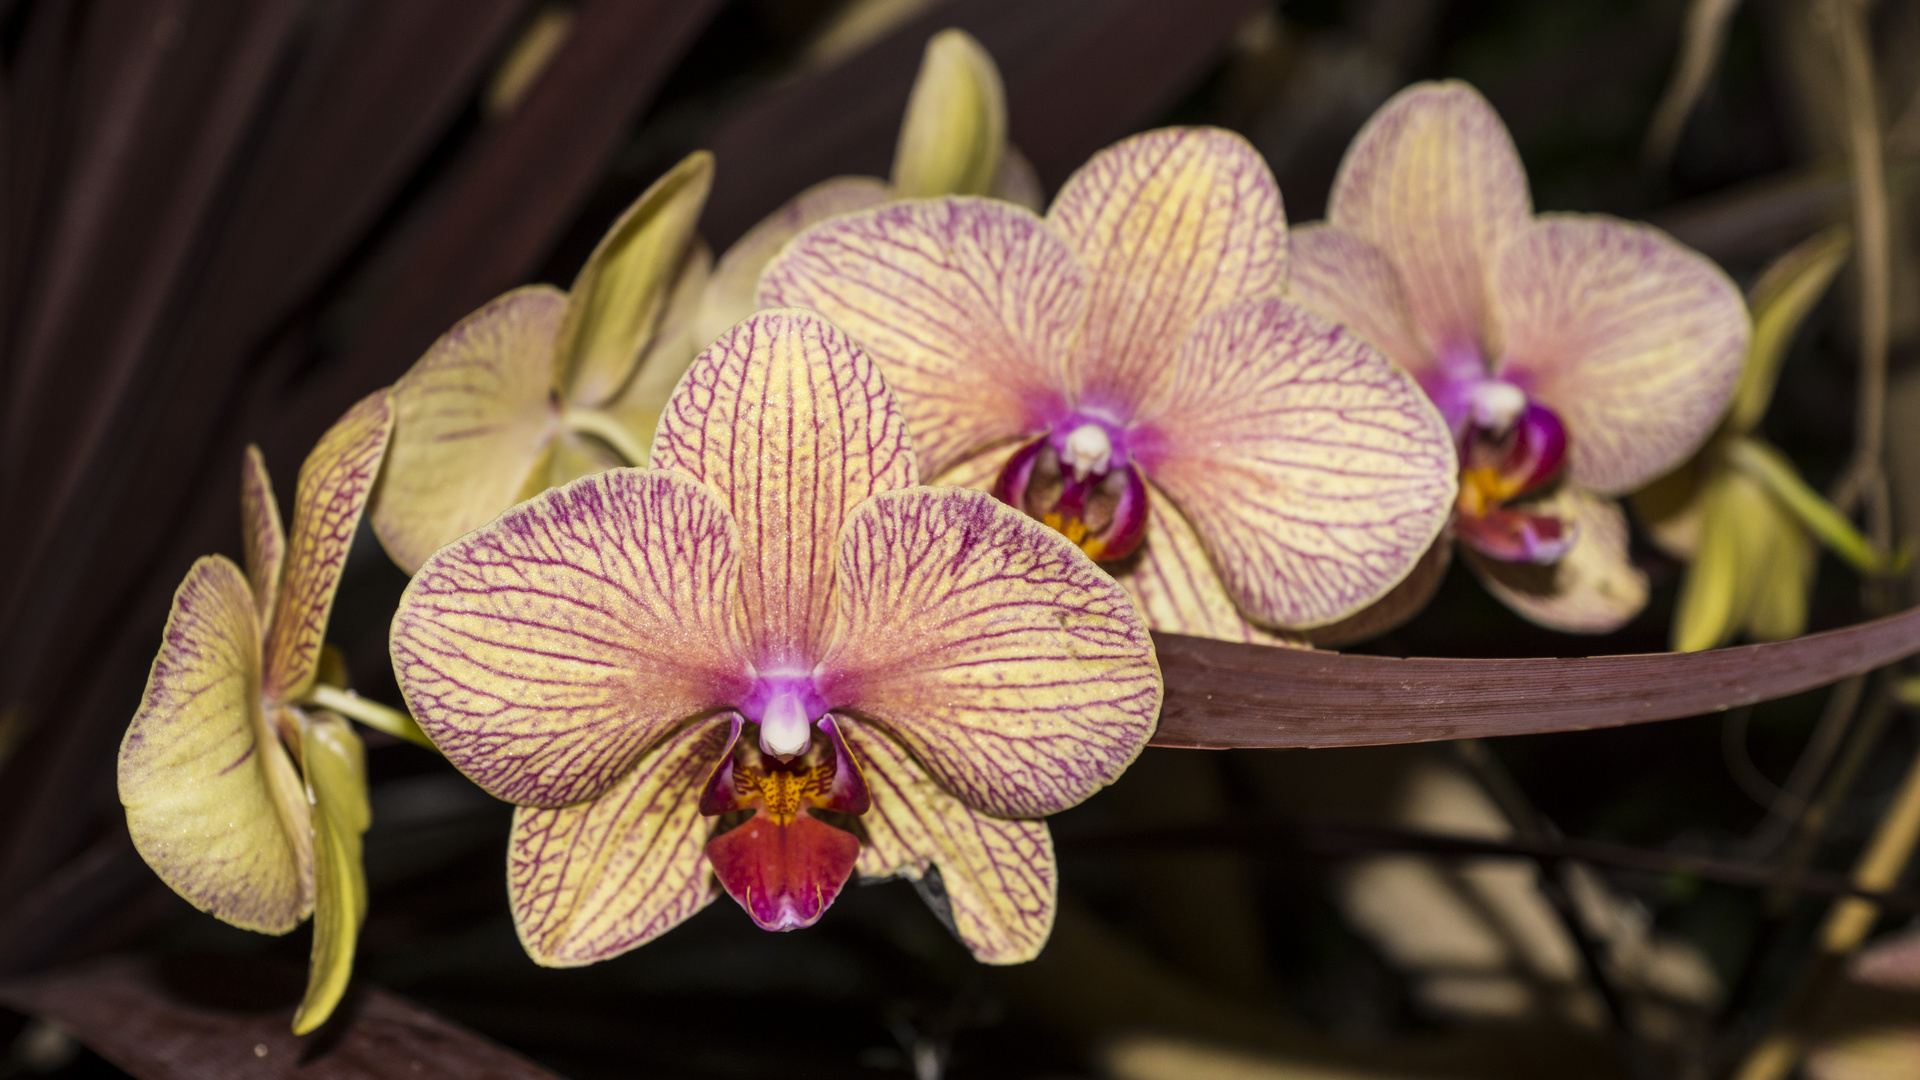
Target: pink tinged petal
(1434,182)
(262,539)
(729,295)
(1017,182)
(335,481)
(1316,472)
(792,426)
(1592,589)
(1516,535)
(1350,281)
(1633,339)
(1391,611)
(213,802)
(473,419)
(590,881)
(971,307)
(545,653)
(997,882)
(785,876)
(1173,582)
(992,648)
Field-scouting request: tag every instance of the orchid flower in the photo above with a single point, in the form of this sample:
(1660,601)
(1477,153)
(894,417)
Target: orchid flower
(244,789)
(1574,356)
(953,141)
(774,629)
(1127,370)
(540,386)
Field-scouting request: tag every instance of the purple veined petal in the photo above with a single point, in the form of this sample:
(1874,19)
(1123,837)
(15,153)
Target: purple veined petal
(998,877)
(262,538)
(1593,589)
(784,875)
(213,803)
(1169,225)
(1174,583)
(1635,340)
(1433,181)
(335,482)
(588,882)
(1350,281)
(546,652)
(1402,602)
(791,425)
(992,648)
(970,305)
(1316,472)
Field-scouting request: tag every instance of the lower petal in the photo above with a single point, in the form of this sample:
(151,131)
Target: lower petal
(1390,612)
(1593,589)
(1173,582)
(785,876)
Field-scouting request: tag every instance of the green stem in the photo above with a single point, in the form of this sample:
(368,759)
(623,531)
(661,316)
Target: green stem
(369,712)
(607,429)
(1819,516)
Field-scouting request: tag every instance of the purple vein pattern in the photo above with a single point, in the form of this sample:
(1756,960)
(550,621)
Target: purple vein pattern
(263,541)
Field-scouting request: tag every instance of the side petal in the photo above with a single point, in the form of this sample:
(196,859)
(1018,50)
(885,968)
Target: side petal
(213,802)
(1633,339)
(729,295)
(335,765)
(1178,590)
(1170,225)
(1593,589)
(590,881)
(970,305)
(472,419)
(1434,182)
(262,539)
(1390,612)
(618,297)
(335,481)
(1316,472)
(992,648)
(544,653)
(956,123)
(672,351)
(792,426)
(1349,281)
(998,882)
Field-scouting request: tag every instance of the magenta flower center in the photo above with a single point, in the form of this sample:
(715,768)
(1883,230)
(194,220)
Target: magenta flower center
(1078,479)
(1512,449)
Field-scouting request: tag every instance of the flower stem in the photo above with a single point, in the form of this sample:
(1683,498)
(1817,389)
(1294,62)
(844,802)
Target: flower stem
(603,426)
(1817,514)
(369,712)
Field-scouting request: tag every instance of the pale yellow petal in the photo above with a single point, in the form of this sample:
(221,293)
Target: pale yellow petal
(956,123)
(336,770)
(1669,508)
(674,346)
(1593,589)
(262,539)
(1176,587)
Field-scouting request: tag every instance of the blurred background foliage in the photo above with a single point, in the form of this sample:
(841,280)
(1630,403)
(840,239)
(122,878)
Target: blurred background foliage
(525,129)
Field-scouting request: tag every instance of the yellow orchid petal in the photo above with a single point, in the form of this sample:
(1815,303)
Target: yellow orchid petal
(1177,588)
(262,540)
(674,346)
(591,881)
(956,123)
(573,456)
(1780,302)
(1670,507)
(473,423)
(998,882)
(1772,469)
(1402,602)
(1713,595)
(1593,589)
(730,293)
(334,484)
(213,803)
(1785,582)
(335,764)
(618,297)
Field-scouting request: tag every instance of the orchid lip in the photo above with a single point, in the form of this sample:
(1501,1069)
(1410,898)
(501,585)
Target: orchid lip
(1079,479)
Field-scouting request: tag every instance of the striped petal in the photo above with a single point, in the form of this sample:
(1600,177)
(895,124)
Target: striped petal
(792,426)
(262,539)
(1593,589)
(335,481)
(970,305)
(591,881)
(1633,339)
(1350,281)
(213,802)
(546,652)
(955,128)
(990,647)
(1316,472)
(1178,590)
(993,881)
(1390,612)
(472,420)
(335,765)
(1434,182)
(729,295)
(1169,225)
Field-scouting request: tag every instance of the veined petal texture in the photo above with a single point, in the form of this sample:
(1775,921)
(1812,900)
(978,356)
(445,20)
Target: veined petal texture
(992,648)
(1178,590)
(997,876)
(591,881)
(1593,589)
(1353,283)
(1168,225)
(262,539)
(971,306)
(335,481)
(792,427)
(1434,181)
(1315,471)
(1634,340)
(213,802)
(471,420)
(545,653)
